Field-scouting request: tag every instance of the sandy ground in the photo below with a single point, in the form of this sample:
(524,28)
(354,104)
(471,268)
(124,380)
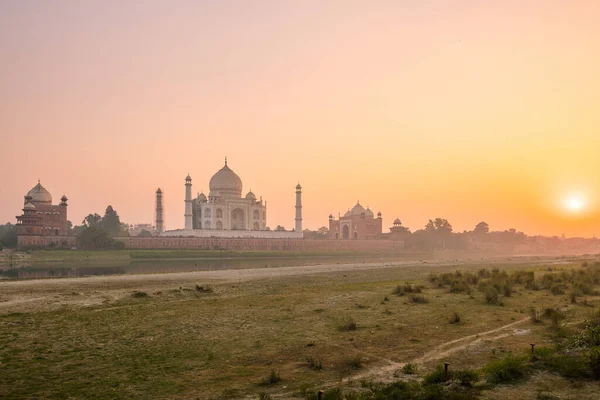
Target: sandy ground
(51,294)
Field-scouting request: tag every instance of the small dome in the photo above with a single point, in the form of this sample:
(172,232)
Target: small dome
(357,209)
(201,197)
(397,221)
(369,213)
(29,206)
(250,196)
(225,183)
(64,198)
(39,194)
(348,214)
(158,190)
(298,187)
(188,177)
(379,214)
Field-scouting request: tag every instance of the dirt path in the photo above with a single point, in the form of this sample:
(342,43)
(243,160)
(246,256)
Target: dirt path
(386,372)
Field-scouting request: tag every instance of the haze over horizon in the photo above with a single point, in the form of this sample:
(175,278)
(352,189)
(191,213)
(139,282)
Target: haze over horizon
(466,110)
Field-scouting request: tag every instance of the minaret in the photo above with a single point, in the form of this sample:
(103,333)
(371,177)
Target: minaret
(298,208)
(188,203)
(159,212)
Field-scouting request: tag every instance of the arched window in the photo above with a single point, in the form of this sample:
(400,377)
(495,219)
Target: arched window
(337,235)
(355,235)
(206,224)
(219,213)
(219,224)
(207,213)
(256,226)
(256,214)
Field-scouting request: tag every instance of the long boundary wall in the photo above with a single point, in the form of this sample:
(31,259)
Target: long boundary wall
(387,246)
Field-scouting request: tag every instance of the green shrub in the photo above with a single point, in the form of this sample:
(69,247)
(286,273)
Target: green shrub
(506,370)
(594,363)
(571,365)
(466,377)
(409,369)
(437,376)
(352,363)
(491,295)
(534,315)
(140,295)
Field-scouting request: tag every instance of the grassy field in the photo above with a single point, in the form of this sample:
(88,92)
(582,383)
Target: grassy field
(187,337)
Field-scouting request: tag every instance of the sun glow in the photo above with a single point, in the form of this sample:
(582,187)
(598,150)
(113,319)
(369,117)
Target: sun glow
(575,203)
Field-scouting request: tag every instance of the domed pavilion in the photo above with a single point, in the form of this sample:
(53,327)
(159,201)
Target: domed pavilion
(357,223)
(42,222)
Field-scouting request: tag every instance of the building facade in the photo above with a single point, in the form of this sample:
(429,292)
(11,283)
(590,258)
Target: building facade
(357,223)
(42,222)
(226,213)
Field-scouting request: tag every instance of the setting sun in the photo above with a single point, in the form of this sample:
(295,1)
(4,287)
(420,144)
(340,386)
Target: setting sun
(575,203)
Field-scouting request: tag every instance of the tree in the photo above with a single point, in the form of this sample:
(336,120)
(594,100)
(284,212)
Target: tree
(321,233)
(442,226)
(111,223)
(91,220)
(8,235)
(144,233)
(124,230)
(280,228)
(94,237)
(69,227)
(481,229)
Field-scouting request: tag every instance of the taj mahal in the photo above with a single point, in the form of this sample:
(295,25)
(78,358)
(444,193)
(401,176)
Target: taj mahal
(225,212)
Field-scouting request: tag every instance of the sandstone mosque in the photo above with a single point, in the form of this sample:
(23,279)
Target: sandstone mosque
(42,222)
(225,212)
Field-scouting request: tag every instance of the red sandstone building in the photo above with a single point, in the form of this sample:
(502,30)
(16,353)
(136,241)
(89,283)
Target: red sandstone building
(358,223)
(43,223)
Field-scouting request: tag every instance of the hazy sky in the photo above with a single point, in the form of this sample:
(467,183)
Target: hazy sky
(467,110)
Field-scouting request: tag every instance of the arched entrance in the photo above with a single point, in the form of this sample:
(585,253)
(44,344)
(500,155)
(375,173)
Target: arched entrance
(345,232)
(237,219)
(355,235)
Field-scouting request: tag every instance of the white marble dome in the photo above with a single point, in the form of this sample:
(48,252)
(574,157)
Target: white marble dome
(225,183)
(40,194)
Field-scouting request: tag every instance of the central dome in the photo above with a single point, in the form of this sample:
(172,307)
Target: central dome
(39,194)
(225,183)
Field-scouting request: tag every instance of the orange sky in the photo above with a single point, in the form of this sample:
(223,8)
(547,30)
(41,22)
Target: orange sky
(460,109)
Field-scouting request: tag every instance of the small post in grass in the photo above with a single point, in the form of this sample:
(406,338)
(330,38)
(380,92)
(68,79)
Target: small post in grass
(446,371)
(532,351)
(320,394)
